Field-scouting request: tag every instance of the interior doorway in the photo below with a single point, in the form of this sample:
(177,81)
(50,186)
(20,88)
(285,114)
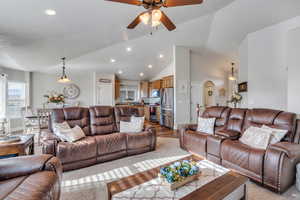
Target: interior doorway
(209,94)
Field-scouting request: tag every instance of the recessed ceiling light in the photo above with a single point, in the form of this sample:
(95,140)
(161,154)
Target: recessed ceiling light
(120,72)
(141,74)
(128,49)
(50,12)
(161,55)
(150,66)
(112,60)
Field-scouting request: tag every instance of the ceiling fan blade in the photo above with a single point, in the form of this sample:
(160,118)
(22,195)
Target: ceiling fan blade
(167,22)
(173,3)
(132,2)
(135,22)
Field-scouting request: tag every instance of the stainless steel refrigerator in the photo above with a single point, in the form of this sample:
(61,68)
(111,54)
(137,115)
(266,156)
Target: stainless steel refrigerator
(167,107)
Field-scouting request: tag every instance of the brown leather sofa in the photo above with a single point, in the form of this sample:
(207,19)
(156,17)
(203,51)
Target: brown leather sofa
(274,168)
(30,178)
(103,141)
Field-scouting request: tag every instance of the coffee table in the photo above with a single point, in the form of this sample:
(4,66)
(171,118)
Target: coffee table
(215,182)
(23,147)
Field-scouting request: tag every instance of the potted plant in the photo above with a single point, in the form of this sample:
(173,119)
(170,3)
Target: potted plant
(235,99)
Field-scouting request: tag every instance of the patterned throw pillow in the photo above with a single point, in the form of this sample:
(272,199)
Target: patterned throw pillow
(60,129)
(76,134)
(66,133)
(256,137)
(277,134)
(206,125)
(139,121)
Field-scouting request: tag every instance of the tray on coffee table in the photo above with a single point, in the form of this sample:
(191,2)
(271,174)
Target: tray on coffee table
(215,182)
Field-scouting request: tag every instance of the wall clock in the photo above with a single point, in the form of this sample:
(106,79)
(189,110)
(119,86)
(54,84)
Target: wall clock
(71,91)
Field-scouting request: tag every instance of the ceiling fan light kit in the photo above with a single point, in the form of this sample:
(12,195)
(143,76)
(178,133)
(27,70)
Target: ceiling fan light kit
(153,14)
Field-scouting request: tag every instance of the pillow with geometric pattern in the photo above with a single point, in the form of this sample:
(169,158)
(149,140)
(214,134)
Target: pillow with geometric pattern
(206,125)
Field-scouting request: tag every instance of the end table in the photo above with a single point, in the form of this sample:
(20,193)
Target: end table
(21,148)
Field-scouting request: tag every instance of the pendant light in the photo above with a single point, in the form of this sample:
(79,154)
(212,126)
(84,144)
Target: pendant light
(64,78)
(232,77)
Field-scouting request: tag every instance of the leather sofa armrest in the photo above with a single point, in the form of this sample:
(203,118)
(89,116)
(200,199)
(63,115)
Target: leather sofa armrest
(280,165)
(290,149)
(26,165)
(233,135)
(182,129)
(153,137)
(186,127)
(49,142)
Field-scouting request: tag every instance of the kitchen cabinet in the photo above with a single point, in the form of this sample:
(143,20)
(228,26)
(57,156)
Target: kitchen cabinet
(117,89)
(158,113)
(147,113)
(144,89)
(167,82)
(156,84)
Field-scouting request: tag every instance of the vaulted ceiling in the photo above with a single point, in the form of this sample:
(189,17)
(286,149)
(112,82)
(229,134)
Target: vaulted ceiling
(90,33)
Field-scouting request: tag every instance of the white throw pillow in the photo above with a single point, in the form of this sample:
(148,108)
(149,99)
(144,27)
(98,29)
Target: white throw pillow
(134,126)
(256,137)
(139,121)
(206,125)
(60,130)
(66,133)
(76,134)
(277,134)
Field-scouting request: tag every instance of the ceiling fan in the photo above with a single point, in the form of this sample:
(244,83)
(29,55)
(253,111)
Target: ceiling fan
(153,14)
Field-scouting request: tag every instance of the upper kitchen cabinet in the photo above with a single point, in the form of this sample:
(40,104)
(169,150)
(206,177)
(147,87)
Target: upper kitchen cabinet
(167,82)
(156,84)
(144,89)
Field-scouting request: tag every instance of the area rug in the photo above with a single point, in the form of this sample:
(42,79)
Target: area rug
(90,183)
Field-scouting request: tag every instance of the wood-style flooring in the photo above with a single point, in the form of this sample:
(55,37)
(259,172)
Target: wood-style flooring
(163,131)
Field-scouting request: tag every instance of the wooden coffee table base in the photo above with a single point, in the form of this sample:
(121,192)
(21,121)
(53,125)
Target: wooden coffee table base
(231,185)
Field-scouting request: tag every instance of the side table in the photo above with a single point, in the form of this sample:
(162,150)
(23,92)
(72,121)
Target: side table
(21,148)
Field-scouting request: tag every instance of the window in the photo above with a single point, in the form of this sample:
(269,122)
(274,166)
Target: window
(3,84)
(128,94)
(16,99)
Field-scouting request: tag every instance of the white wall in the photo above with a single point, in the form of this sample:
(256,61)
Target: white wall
(168,71)
(43,83)
(293,62)
(181,85)
(207,66)
(265,64)
(243,71)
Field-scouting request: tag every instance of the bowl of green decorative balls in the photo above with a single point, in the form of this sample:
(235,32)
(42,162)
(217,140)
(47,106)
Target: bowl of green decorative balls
(179,173)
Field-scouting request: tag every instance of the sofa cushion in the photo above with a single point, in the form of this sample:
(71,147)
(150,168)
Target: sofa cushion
(81,150)
(243,156)
(124,113)
(111,143)
(220,113)
(102,120)
(273,118)
(40,185)
(73,116)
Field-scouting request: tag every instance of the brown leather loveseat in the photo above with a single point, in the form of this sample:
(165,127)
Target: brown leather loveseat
(30,178)
(274,168)
(103,141)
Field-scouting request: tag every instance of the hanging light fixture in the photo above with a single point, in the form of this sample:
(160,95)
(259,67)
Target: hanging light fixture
(64,78)
(232,77)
